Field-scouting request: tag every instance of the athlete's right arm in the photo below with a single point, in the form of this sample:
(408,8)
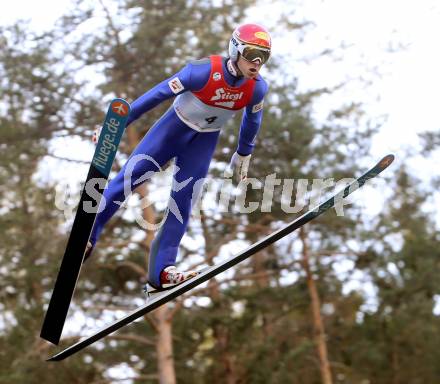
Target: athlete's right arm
(163,91)
(184,80)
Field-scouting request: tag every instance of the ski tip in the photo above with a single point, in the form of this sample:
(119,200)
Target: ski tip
(121,107)
(386,161)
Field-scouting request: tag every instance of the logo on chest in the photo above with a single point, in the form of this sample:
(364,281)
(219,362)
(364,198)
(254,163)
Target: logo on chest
(226,99)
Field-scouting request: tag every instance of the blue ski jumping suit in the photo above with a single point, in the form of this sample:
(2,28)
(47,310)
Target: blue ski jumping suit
(208,95)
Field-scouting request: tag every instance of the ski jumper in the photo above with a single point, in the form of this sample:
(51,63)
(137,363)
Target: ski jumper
(208,95)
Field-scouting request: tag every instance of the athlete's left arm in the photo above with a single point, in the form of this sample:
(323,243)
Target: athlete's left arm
(252,117)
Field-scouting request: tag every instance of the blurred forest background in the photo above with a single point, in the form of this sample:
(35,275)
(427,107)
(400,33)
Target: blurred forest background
(285,315)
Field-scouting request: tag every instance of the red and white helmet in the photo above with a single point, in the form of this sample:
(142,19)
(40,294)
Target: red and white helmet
(252,41)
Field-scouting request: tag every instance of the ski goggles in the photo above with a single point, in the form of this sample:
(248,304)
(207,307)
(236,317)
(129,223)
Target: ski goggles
(254,54)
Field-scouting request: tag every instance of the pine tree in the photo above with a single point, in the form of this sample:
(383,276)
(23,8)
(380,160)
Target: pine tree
(400,336)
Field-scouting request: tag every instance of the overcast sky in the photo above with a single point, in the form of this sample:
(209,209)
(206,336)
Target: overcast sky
(411,79)
(406,90)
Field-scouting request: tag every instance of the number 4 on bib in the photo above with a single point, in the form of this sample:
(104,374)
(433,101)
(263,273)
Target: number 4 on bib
(210,120)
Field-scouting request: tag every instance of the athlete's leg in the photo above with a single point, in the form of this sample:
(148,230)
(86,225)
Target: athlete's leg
(193,163)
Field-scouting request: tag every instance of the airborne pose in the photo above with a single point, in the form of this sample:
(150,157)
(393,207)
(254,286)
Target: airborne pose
(209,92)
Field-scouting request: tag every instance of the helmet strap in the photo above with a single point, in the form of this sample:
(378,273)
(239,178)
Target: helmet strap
(233,68)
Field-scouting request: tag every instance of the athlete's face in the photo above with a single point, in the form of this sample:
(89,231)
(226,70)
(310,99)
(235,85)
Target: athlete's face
(249,69)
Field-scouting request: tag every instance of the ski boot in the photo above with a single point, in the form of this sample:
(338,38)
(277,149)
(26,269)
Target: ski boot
(169,278)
